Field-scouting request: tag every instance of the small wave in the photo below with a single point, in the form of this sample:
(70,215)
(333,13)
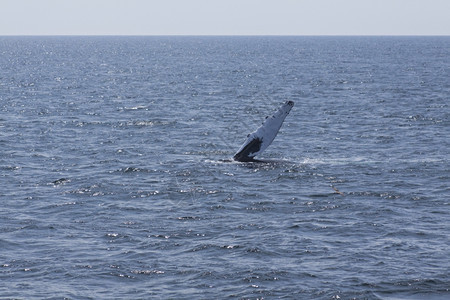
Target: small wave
(147,272)
(10,168)
(93,190)
(145,123)
(60,181)
(189,218)
(366,160)
(132,170)
(138,107)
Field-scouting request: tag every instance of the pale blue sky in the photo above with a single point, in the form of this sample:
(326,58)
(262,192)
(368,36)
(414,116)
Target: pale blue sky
(224,17)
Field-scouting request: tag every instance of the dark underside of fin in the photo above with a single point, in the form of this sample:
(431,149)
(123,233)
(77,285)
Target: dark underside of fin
(251,147)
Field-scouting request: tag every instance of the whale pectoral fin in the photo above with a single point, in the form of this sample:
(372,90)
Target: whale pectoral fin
(260,139)
(246,153)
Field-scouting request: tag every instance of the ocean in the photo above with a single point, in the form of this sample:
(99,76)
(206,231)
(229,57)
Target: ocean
(116,179)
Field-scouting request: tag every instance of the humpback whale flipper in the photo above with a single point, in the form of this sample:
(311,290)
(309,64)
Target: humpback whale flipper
(260,139)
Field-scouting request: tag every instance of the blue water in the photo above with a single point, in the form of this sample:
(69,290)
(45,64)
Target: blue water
(115,181)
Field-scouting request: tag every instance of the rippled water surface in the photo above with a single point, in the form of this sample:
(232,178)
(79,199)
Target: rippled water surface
(115,179)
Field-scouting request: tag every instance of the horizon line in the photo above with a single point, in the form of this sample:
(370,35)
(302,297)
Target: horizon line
(224,35)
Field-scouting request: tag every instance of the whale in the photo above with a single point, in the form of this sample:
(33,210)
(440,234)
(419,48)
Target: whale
(261,138)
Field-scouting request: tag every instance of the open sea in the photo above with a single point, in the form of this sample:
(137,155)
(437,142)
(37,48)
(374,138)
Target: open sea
(115,179)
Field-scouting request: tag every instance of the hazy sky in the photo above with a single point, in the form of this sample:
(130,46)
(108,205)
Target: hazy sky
(224,17)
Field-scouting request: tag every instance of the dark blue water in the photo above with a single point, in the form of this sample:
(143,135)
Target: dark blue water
(114,182)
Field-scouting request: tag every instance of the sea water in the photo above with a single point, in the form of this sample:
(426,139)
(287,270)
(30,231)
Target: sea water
(116,181)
